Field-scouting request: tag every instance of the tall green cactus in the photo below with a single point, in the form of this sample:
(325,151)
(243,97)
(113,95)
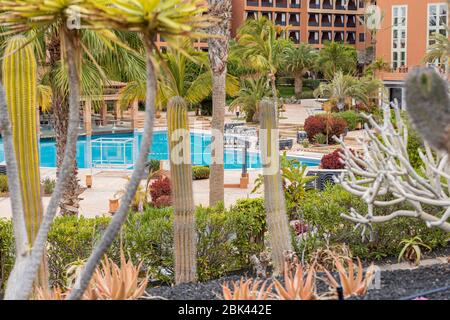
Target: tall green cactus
(20,82)
(428,106)
(277,221)
(182,192)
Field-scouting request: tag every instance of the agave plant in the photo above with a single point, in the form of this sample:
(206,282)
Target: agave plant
(113,282)
(411,250)
(351,283)
(297,286)
(247,290)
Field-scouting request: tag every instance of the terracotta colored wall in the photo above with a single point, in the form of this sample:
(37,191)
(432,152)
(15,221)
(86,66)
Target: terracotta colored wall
(417,29)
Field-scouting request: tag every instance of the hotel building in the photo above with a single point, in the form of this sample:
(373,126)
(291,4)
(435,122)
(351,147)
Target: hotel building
(310,21)
(405,36)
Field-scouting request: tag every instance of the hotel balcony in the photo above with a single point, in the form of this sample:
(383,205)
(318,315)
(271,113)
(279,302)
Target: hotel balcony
(352,5)
(294,19)
(295,4)
(314,4)
(313,37)
(281,3)
(326,20)
(351,21)
(252,3)
(339,21)
(340,5)
(294,36)
(351,37)
(327,4)
(267,3)
(339,36)
(313,20)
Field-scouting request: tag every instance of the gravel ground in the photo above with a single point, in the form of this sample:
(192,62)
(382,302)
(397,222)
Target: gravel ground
(394,285)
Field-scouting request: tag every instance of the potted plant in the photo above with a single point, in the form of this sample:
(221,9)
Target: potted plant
(89,180)
(113,205)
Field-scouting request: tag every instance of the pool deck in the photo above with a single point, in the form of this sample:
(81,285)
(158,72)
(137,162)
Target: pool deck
(107,183)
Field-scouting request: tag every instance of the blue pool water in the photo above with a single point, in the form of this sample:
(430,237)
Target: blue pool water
(106,149)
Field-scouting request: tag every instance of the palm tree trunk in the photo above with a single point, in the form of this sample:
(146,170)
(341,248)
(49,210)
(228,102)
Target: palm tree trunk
(298,86)
(70,200)
(119,217)
(273,83)
(218,56)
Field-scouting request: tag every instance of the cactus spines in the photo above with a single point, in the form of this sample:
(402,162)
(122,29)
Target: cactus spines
(20,82)
(182,192)
(428,106)
(277,221)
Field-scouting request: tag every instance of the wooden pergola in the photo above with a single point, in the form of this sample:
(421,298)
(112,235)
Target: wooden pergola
(111,94)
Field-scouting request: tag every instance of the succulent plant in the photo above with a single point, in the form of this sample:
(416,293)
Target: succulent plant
(20,82)
(182,192)
(428,105)
(277,220)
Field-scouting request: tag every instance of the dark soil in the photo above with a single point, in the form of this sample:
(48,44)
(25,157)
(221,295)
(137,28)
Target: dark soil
(395,285)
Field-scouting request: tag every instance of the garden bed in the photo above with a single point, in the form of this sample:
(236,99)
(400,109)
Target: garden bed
(395,285)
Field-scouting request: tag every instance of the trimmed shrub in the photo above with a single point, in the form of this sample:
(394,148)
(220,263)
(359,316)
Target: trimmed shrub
(332,160)
(312,84)
(321,211)
(4,183)
(160,187)
(163,201)
(200,172)
(307,95)
(7,246)
(351,117)
(325,124)
(48,185)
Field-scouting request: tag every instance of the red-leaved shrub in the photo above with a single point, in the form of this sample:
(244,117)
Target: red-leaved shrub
(332,161)
(323,123)
(159,188)
(162,202)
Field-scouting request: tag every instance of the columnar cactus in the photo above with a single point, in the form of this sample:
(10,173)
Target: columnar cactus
(182,193)
(428,105)
(20,82)
(277,221)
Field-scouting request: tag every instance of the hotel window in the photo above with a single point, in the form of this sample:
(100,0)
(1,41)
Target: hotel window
(295,36)
(399,36)
(362,37)
(294,19)
(437,20)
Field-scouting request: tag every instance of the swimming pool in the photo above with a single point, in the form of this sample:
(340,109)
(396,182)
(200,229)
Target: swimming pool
(121,149)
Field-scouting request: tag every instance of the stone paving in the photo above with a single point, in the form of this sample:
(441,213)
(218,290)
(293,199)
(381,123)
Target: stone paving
(106,184)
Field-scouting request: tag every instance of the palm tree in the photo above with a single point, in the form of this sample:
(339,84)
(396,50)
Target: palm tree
(376,66)
(439,51)
(344,87)
(259,44)
(334,57)
(36,17)
(250,95)
(218,57)
(298,61)
(149,18)
(177,78)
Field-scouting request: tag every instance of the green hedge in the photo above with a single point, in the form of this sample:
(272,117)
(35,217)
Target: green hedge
(226,237)
(226,240)
(322,210)
(200,172)
(351,117)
